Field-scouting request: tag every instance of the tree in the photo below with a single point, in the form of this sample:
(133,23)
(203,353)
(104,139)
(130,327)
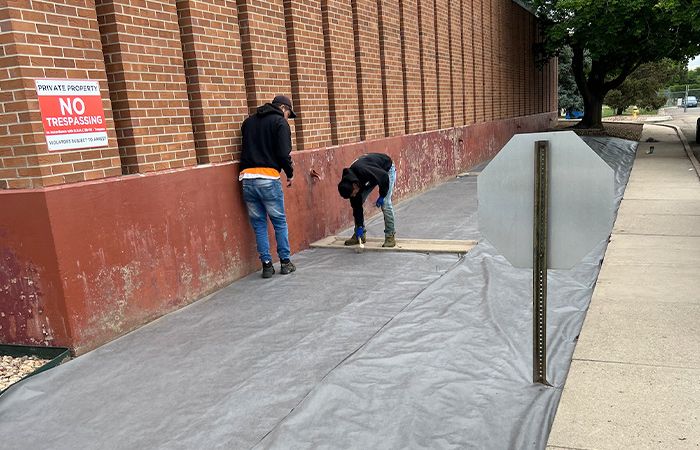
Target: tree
(619,36)
(569,96)
(641,87)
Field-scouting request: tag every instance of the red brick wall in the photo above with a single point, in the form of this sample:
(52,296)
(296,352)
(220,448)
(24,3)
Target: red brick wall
(369,72)
(426,14)
(469,40)
(341,73)
(179,77)
(211,46)
(444,69)
(307,60)
(47,39)
(411,57)
(479,61)
(146,74)
(456,62)
(392,66)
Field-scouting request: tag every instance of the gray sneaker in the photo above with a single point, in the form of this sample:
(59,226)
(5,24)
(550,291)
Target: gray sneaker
(287,267)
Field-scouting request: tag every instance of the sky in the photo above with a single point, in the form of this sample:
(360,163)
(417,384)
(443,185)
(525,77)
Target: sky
(694,63)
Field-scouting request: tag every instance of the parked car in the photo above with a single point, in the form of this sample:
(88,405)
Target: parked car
(692,101)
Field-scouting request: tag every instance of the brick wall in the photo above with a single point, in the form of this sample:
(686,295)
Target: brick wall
(469,39)
(428,49)
(341,73)
(47,39)
(177,78)
(411,62)
(146,74)
(444,69)
(392,66)
(457,62)
(213,62)
(307,60)
(369,72)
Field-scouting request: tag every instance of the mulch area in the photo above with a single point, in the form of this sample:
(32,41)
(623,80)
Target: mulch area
(631,131)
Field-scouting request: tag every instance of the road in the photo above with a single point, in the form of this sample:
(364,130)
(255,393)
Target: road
(687,121)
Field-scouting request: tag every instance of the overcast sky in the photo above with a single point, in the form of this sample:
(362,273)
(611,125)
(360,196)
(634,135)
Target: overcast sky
(694,63)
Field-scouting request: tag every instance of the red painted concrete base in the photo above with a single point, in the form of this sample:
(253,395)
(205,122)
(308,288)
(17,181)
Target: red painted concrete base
(84,263)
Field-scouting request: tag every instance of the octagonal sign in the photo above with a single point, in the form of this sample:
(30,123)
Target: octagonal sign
(581,199)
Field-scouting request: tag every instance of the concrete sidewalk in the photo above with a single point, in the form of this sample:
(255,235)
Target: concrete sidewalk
(633,381)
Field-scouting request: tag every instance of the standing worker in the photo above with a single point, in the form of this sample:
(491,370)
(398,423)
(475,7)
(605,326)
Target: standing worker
(368,171)
(267,146)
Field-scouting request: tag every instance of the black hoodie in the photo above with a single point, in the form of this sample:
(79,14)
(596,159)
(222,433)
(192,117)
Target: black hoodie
(367,171)
(267,141)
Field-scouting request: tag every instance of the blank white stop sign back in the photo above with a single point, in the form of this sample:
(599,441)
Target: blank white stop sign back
(581,199)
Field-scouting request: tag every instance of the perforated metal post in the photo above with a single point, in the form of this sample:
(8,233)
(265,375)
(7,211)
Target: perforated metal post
(539,266)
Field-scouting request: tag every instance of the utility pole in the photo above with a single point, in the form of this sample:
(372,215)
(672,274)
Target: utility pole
(685,101)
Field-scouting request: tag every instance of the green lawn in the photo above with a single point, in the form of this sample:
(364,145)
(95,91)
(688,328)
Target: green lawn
(608,111)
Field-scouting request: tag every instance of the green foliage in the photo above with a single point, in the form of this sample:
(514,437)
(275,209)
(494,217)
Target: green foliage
(681,87)
(641,88)
(678,82)
(617,101)
(693,76)
(618,36)
(569,96)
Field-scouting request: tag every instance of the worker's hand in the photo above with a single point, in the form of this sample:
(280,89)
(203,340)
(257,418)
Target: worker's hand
(359,232)
(289,182)
(380,202)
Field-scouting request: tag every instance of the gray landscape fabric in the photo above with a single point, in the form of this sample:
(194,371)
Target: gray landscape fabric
(372,350)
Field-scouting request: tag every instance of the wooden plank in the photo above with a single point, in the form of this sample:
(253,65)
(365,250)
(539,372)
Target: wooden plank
(402,245)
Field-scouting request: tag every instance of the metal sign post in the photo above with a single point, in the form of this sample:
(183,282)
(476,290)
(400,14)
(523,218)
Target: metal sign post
(546,218)
(539,265)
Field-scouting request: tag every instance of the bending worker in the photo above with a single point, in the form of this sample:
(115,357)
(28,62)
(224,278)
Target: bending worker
(368,171)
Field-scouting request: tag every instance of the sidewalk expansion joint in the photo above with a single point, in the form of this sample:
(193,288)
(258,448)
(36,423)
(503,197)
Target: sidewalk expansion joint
(660,366)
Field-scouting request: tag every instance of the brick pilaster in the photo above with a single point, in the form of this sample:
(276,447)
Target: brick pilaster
(479,60)
(410,47)
(392,66)
(426,14)
(468,36)
(369,70)
(341,72)
(444,66)
(211,46)
(457,62)
(146,74)
(307,61)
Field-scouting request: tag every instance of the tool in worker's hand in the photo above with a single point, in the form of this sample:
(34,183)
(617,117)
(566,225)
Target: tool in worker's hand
(361,246)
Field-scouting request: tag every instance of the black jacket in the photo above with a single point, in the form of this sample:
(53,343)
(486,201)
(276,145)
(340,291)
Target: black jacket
(267,140)
(368,171)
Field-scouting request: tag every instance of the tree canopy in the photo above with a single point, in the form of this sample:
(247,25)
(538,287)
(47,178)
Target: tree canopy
(641,88)
(618,36)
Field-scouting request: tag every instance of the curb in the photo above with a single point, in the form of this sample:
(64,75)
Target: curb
(686,146)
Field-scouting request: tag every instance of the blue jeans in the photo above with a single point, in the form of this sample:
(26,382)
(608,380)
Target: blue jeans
(388,208)
(263,198)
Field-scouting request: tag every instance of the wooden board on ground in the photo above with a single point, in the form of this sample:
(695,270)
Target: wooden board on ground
(402,245)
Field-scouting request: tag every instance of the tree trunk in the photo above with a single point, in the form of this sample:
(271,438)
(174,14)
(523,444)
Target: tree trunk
(619,111)
(592,110)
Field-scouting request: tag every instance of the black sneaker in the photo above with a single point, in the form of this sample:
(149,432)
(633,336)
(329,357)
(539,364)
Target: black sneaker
(268,269)
(287,267)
